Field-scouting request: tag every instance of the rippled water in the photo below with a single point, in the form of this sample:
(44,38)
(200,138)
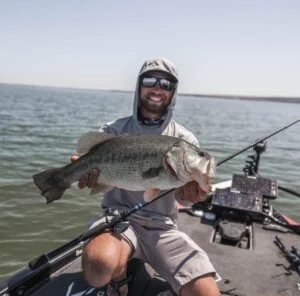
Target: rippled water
(39,128)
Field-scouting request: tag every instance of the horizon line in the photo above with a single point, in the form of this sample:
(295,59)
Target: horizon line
(214,95)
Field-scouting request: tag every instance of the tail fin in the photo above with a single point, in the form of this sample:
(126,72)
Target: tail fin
(50,186)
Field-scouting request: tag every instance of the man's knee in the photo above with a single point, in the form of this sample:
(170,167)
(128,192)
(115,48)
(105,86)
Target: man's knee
(103,259)
(201,286)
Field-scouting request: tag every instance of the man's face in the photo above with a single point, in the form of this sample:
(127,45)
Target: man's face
(153,99)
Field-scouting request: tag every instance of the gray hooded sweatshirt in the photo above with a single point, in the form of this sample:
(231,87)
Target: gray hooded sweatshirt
(165,208)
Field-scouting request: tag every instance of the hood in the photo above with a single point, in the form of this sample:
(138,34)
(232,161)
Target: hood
(162,65)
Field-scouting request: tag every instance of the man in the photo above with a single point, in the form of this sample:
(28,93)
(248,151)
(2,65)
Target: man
(152,235)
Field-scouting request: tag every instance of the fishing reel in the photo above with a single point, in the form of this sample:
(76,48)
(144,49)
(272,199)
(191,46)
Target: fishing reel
(252,163)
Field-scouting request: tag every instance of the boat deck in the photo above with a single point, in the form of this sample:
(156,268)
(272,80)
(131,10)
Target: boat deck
(260,271)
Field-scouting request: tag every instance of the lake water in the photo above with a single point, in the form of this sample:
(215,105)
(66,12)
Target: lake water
(39,128)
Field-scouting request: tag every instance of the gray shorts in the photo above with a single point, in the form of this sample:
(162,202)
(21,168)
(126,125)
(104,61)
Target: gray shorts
(170,252)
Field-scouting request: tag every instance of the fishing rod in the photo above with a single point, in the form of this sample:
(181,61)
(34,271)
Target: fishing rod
(125,214)
(255,143)
(74,247)
(287,190)
(43,264)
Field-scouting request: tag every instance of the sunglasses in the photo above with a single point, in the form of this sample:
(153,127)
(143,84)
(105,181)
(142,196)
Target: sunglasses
(164,83)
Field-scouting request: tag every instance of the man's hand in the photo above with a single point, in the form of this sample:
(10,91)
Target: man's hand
(191,192)
(88,180)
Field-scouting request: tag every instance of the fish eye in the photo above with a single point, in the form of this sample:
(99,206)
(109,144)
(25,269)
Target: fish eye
(201,154)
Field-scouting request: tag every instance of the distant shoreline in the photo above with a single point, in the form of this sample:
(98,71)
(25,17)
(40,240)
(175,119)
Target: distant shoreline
(295,100)
(247,98)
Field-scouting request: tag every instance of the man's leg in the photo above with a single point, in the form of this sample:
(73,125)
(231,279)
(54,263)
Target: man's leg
(179,260)
(105,258)
(201,286)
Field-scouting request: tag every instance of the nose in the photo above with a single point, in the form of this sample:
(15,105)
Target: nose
(156,88)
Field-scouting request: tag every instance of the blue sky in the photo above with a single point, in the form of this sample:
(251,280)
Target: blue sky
(219,47)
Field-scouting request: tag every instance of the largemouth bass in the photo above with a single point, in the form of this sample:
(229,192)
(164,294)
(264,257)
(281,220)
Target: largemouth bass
(148,163)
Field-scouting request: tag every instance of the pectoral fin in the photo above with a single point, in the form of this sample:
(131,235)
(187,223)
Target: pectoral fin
(150,194)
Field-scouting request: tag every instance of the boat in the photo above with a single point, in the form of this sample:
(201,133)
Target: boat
(254,248)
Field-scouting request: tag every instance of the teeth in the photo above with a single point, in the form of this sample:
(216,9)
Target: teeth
(156,99)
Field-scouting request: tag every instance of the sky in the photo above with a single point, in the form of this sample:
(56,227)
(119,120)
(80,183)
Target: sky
(219,47)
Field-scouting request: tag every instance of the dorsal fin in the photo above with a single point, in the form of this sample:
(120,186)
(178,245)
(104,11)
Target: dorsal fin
(90,139)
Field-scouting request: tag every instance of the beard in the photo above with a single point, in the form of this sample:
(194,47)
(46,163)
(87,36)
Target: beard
(154,107)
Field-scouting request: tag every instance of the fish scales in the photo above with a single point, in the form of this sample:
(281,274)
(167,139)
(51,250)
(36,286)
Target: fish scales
(132,149)
(136,157)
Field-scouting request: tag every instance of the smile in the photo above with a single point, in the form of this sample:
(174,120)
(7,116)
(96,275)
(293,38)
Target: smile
(155,99)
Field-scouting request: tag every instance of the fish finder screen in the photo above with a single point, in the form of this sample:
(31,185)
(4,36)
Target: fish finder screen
(265,187)
(250,202)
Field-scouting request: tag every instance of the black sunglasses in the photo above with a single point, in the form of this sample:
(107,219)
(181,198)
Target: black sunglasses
(164,83)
